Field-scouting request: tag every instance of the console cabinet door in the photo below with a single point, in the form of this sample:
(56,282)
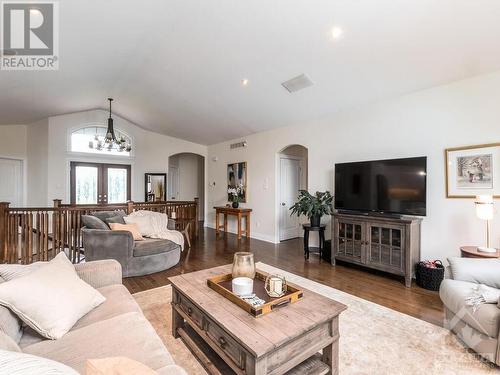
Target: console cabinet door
(385,247)
(349,240)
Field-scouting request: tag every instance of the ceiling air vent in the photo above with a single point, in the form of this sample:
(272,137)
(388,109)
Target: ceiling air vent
(297,83)
(238,145)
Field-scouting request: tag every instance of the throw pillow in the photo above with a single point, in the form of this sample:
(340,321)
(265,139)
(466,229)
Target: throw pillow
(116,366)
(51,299)
(142,222)
(115,219)
(13,271)
(6,343)
(92,222)
(479,271)
(132,228)
(103,215)
(15,363)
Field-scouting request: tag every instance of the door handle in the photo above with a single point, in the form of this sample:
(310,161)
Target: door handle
(283,203)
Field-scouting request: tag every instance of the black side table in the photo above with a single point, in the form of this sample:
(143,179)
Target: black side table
(308,228)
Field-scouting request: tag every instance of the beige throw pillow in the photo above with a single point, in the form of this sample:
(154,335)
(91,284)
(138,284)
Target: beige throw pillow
(117,366)
(51,299)
(132,228)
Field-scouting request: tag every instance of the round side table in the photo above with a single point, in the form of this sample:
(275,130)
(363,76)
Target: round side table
(472,252)
(308,228)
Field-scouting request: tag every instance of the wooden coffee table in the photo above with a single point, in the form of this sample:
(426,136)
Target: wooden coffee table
(283,341)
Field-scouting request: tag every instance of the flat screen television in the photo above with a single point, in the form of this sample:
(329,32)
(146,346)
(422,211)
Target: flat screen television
(396,186)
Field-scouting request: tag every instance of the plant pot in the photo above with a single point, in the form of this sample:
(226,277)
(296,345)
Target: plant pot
(236,204)
(315,220)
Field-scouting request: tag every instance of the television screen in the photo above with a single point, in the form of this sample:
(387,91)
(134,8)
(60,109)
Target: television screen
(396,186)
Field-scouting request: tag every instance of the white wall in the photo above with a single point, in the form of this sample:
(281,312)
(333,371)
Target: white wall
(37,154)
(420,124)
(13,141)
(150,151)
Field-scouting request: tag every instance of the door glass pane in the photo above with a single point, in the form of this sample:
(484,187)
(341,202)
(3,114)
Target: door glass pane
(386,232)
(341,230)
(86,185)
(396,237)
(375,235)
(117,185)
(349,230)
(357,232)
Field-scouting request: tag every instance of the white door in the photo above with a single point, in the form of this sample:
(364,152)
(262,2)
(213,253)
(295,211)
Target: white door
(11,182)
(289,191)
(173,183)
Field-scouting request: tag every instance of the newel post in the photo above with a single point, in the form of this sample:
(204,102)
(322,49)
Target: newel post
(130,207)
(196,214)
(56,226)
(4,210)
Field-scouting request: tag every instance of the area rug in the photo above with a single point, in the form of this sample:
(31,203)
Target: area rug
(373,339)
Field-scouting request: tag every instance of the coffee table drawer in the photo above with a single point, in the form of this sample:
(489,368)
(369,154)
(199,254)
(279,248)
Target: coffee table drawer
(225,342)
(190,310)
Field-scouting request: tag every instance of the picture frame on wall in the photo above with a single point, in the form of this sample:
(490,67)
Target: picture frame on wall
(237,176)
(473,170)
(155,187)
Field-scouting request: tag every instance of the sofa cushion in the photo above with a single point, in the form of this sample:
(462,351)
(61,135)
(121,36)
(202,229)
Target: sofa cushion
(103,215)
(480,271)
(6,343)
(92,222)
(117,366)
(129,335)
(10,324)
(486,319)
(152,246)
(51,299)
(115,220)
(15,363)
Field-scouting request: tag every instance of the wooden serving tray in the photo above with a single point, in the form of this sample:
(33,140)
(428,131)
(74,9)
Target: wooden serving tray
(222,285)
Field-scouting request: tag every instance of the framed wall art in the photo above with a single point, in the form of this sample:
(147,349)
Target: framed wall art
(237,177)
(473,170)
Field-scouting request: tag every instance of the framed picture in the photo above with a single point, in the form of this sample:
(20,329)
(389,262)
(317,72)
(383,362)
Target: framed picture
(237,176)
(155,187)
(473,170)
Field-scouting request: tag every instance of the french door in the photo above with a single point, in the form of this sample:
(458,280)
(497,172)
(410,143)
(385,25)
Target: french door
(97,183)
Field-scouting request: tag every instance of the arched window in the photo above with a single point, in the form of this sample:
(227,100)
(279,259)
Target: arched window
(81,138)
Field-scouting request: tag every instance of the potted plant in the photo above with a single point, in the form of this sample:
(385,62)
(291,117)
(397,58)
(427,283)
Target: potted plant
(236,194)
(313,206)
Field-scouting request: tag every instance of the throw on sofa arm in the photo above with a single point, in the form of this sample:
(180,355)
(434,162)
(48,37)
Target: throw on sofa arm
(100,273)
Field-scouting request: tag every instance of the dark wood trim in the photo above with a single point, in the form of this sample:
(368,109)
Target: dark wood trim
(102,178)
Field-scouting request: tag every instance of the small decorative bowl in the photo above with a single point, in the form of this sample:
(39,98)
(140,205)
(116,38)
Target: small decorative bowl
(242,286)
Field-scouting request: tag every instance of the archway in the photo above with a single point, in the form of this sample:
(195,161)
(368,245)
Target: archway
(186,179)
(292,175)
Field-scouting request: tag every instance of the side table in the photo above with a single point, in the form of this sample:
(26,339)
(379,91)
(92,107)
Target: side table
(472,252)
(308,228)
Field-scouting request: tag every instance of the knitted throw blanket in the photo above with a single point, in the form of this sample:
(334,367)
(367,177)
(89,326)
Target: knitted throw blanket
(482,294)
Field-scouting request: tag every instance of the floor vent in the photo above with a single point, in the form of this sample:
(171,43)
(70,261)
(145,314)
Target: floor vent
(297,83)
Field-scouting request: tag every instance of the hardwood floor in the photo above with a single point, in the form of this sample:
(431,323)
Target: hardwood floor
(208,251)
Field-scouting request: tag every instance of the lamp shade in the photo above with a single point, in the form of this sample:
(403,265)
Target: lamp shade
(484,207)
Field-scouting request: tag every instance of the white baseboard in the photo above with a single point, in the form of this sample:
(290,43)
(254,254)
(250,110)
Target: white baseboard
(256,236)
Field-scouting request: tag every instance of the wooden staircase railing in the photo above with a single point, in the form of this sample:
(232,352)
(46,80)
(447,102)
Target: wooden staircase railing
(29,235)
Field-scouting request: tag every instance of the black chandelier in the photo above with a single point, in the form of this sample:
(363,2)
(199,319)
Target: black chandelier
(110,141)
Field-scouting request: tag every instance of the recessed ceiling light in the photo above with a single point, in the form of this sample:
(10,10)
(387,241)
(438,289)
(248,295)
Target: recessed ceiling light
(337,32)
(244,82)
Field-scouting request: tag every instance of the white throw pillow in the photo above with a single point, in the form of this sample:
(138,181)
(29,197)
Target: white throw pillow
(11,271)
(15,363)
(142,220)
(51,299)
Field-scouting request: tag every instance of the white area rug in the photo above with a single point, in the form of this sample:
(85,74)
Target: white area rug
(373,339)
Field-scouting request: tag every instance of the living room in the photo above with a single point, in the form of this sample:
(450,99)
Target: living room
(176,170)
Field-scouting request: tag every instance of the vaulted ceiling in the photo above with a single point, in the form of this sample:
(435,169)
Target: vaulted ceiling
(176,67)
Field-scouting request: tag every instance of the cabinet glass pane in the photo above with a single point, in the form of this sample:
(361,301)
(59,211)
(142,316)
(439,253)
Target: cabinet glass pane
(357,249)
(385,254)
(396,257)
(348,230)
(357,232)
(386,233)
(396,237)
(341,248)
(117,185)
(375,235)
(375,253)
(86,185)
(349,247)
(341,230)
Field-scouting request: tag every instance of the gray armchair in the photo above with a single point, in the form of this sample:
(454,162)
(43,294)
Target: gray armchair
(479,329)
(137,258)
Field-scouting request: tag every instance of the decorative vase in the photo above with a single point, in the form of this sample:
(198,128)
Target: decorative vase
(236,204)
(315,220)
(243,265)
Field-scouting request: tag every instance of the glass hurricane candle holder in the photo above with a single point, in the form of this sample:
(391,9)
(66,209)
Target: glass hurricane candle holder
(243,265)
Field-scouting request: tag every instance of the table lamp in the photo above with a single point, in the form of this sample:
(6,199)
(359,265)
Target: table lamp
(485,211)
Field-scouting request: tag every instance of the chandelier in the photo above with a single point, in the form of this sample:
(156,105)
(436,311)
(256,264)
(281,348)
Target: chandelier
(110,142)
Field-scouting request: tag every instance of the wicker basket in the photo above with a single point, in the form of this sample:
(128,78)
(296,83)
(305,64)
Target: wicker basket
(430,277)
